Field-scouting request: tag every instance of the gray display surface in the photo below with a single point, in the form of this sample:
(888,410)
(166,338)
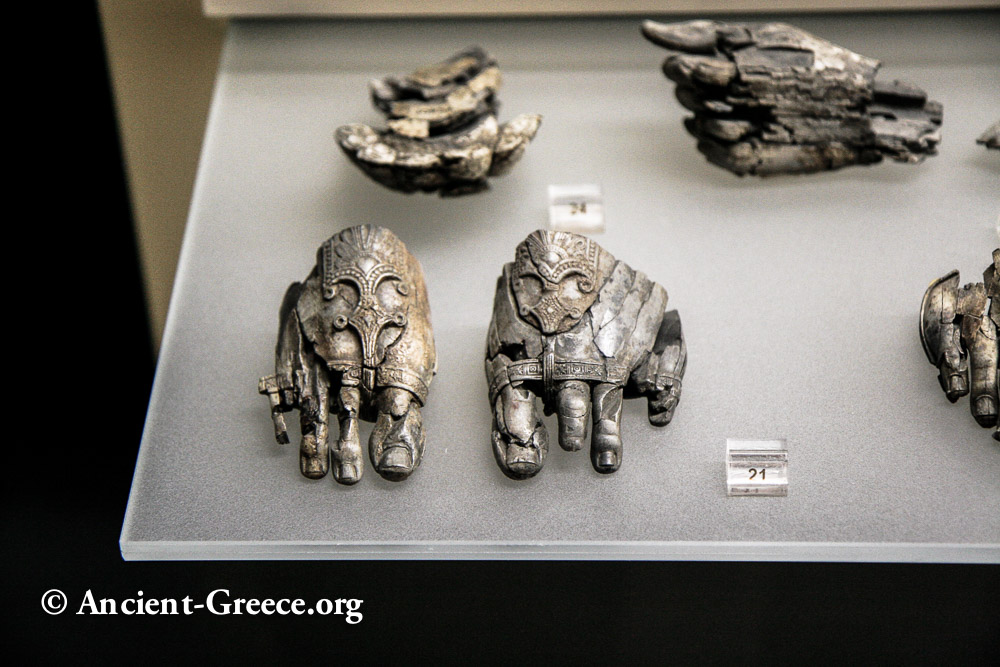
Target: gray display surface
(799,298)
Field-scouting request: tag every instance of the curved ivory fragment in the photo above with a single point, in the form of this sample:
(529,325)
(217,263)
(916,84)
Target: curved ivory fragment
(442,132)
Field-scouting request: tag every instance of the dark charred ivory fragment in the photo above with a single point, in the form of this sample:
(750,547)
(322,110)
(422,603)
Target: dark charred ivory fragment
(355,339)
(442,134)
(773,99)
(582,331)
(991,137)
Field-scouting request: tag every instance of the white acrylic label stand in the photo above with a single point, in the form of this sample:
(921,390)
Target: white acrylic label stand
(756,467)
(576,208)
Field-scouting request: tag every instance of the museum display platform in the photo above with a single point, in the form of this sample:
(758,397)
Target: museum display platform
(799,298)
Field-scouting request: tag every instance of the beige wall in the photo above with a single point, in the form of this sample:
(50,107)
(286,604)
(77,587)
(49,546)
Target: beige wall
(163,57)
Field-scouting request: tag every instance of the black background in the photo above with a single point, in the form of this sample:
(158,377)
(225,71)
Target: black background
(76,400)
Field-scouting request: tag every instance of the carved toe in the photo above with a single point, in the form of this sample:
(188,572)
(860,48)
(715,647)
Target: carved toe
(395,464)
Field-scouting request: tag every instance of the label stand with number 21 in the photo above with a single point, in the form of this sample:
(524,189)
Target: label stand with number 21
(756,468)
